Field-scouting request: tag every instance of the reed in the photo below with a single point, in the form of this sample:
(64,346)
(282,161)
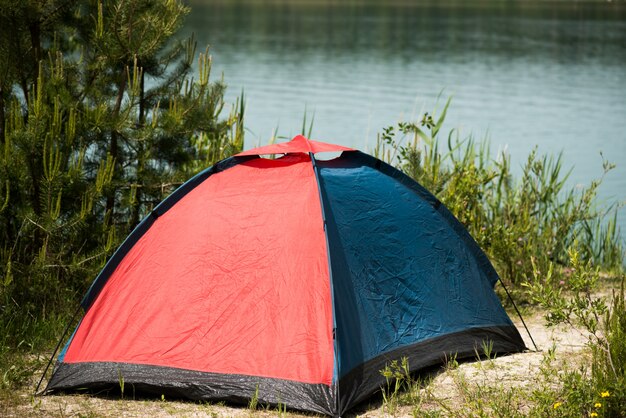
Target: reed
(536,215)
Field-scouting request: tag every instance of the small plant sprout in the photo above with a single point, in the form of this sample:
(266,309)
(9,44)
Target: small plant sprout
(254,401)
(487,347)
(451,361)
(120,379)
(397,378)
(281,409)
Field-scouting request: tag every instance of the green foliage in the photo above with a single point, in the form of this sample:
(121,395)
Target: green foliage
(576,302)
(120,380)
(100,119)
(608,368)
(397,377)
(281,410)
(535,217)
(571,299)
(574,395)
(451,361)
(400,387)
(254,400)
(556,391)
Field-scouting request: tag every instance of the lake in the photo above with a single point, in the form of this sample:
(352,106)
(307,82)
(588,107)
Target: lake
(523,73)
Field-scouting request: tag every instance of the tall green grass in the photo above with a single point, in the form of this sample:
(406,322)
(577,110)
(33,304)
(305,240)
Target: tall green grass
(534,216)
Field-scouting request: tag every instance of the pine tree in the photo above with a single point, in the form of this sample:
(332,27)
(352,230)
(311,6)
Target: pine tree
(100,119)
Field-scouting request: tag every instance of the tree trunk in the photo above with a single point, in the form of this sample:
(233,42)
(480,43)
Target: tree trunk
(2,116)
(114,145)
(136,211)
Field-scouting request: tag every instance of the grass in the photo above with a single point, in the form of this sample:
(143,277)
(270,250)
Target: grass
(491,388)
(534,216)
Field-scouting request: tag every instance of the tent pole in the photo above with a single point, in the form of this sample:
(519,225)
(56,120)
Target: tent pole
(67,327)
(518,313)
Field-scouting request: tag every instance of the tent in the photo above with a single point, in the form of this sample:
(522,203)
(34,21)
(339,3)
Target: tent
(295,278)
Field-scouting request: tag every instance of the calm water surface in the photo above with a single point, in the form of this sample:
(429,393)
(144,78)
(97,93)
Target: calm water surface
(526,74)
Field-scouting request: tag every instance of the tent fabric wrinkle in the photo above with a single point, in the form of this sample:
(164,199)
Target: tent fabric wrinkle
(163,284)
(384,285)
(295,278)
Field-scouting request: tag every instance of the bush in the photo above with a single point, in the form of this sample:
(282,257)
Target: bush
(601,388)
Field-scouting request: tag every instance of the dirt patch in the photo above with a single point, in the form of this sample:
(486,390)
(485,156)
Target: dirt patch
(514,371)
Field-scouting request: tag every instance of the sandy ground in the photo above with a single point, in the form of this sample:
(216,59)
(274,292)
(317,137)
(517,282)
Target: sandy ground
(519,370)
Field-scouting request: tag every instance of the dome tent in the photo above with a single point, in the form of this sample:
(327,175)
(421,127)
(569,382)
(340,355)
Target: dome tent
(294,277)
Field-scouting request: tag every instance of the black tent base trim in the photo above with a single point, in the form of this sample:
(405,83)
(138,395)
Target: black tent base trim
(180,383)
(354,387)
(361,382)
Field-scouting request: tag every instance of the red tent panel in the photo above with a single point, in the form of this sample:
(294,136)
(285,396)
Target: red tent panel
(174,287)
(297,144)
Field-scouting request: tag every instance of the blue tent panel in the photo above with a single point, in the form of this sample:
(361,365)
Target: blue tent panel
(424,277)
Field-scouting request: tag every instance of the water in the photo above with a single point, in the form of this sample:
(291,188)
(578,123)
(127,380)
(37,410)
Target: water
(525,74)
